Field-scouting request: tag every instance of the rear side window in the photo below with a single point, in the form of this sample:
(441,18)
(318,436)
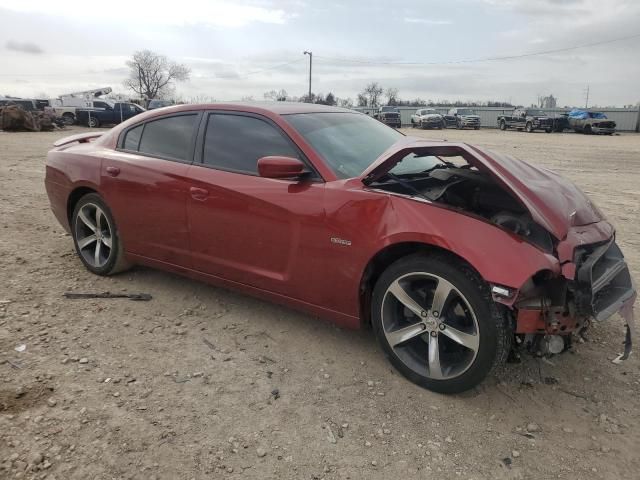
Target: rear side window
(132,138)
(169,137)
(236,142)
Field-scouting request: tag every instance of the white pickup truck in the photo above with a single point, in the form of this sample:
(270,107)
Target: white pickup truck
(65,105)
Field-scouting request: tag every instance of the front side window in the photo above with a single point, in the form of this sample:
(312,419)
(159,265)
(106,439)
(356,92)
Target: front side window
(348,142)
(236,142)
(169,137)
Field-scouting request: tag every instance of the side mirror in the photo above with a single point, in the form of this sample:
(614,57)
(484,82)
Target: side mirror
(280,167)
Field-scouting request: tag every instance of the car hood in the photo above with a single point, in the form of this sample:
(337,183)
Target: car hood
(554,202)
(430,115)
(469,116)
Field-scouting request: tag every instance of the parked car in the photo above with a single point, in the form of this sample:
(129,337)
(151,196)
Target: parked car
(462,118)
(427,118)
(108,114)
(450,252)
(560,122)
(586,122)
(157,103)
(389,116)
(527,119)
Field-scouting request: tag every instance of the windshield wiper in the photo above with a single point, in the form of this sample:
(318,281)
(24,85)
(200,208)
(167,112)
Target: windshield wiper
(407,185)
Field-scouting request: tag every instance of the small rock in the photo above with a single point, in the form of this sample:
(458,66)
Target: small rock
(370,383)
(374,463)
(261,452)
(52,402)
(515,453)
(567,430)
(367,443)
(605,449)
(533,427)
(36,458)
(448,440)
(83,360)
(116,394)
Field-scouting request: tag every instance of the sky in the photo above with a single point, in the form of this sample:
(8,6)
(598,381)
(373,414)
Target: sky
(243,48)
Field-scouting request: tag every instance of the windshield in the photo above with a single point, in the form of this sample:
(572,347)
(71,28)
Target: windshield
(536,113)
(389,109)
(348,142)
(466,111)
(429,112)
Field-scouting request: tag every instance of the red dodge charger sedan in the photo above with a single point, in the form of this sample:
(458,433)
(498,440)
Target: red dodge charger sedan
(455,256)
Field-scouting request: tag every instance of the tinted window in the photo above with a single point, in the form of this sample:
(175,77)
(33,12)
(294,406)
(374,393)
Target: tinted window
(236,142)
(169,137)
(100,104)
(132,138)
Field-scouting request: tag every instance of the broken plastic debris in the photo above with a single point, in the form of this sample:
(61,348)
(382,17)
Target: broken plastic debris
(20,348)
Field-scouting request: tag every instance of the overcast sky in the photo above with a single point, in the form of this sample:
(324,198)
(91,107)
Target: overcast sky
(56,47)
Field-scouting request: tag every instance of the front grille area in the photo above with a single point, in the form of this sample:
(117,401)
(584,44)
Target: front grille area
(603,281)
(605,125)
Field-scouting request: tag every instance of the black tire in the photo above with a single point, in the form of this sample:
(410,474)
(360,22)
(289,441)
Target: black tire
(459,125)
(68,118)
(476,128)
(93,122)
(413,124)
(493,328)
(587,130)
(115,261)
(503,125)
(528,127)
(548,130)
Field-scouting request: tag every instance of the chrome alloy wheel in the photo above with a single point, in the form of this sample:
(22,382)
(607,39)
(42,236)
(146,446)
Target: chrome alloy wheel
(430,325)
(94,235)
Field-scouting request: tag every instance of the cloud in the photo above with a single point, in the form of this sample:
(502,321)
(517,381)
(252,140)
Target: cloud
(427,21)
(24,47)
(219,13)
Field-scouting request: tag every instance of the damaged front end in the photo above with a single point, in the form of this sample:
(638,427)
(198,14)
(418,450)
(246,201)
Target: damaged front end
(594,285)
(588,278)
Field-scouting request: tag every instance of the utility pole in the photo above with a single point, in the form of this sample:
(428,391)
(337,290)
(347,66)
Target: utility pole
(586,103)
(310,64)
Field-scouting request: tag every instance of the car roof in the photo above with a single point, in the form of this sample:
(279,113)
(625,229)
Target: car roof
(278,108)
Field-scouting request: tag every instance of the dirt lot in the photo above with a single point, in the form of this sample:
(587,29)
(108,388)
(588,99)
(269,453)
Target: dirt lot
(182,387)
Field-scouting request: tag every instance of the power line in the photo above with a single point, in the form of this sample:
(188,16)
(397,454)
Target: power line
(483,59)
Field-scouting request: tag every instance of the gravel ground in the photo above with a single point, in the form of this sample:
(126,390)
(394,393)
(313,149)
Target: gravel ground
(205,383)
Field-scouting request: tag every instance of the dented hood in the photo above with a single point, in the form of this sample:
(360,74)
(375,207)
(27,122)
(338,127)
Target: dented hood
(554,202)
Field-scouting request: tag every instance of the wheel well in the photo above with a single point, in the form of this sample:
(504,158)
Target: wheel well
(73,199)
(379,263)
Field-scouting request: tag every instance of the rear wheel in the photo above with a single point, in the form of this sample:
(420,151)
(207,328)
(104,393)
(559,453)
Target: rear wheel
(437,323)
(503,125)
(529,127)
(96,238)
(68,118)
(587,130)
(93,122)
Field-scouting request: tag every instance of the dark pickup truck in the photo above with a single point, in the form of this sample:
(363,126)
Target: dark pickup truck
(389,116)
(110,115)
(527,119)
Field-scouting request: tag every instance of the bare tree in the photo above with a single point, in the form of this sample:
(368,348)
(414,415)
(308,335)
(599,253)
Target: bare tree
(362,100)
(152,75)
(392,96)
(345,102)
(372,93)
(277,96)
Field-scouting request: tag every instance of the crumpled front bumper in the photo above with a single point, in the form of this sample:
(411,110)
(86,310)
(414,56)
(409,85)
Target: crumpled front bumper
(595,284)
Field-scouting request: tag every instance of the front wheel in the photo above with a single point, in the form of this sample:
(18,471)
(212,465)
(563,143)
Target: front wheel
(96,238)
(503,125)
(93,122)
(528,128)
(437,323)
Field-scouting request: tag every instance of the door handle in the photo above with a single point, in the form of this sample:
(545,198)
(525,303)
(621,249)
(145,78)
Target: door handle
(113,171)
(199,193)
